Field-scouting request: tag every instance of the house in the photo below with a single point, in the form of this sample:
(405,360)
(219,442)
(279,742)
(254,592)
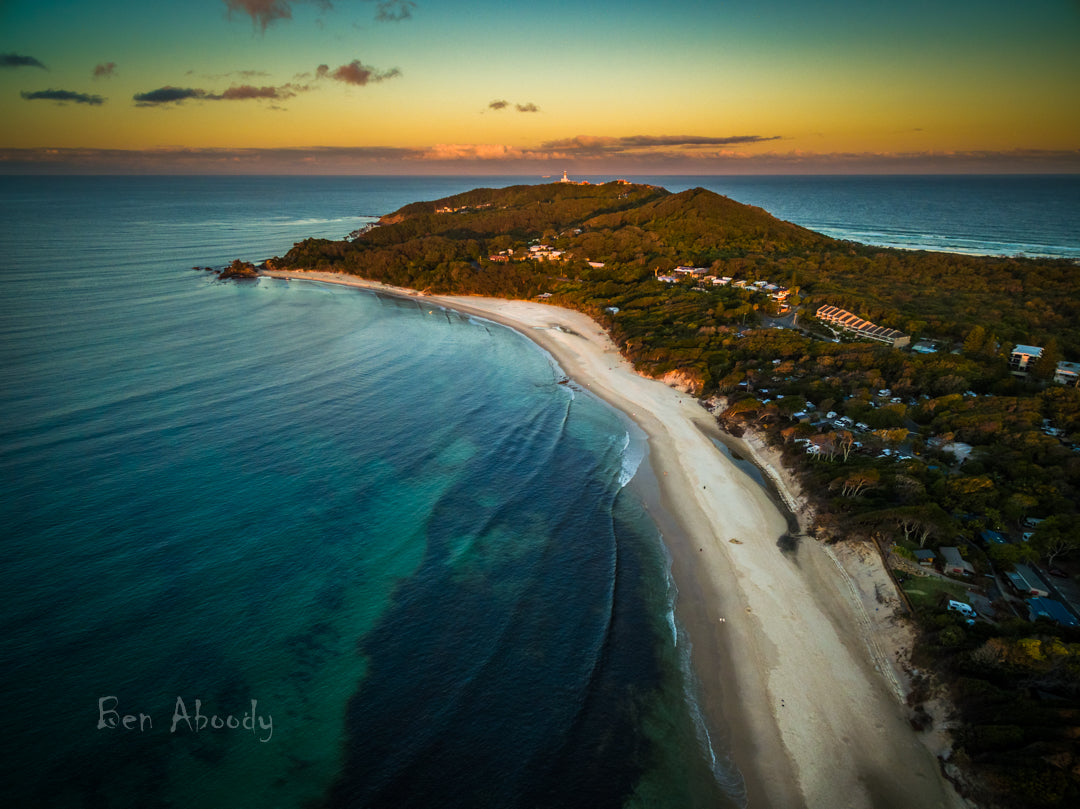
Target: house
(864,329)
(500,259)
(1049,608)
(992,537)
(954,563)
(1027,582)
(925,558)
(1022,358)
(1068,373)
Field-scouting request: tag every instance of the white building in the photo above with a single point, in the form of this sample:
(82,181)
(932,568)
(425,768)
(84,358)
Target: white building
(1068,373)
(1022,358)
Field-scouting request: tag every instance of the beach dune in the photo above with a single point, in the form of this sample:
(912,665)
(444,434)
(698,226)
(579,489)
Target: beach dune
(782,645)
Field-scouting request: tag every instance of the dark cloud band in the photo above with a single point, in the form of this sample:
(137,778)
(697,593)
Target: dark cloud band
(586,145)
(64,96)
(167,95)
(16,60)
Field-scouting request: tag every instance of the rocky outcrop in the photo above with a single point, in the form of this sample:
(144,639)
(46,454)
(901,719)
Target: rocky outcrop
(239,270)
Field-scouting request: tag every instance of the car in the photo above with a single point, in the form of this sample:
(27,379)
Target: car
(962,608)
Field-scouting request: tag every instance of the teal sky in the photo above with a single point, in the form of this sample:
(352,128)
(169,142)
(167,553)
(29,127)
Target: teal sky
(729,86)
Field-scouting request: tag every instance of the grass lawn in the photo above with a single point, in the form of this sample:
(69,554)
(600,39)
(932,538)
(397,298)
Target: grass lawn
(926,592)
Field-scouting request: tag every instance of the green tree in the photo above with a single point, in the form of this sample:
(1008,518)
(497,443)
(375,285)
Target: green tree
(1056,536)
(975,342)
(1046,365)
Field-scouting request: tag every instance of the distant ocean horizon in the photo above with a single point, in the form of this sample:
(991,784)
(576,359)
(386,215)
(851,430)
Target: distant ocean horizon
(341,549)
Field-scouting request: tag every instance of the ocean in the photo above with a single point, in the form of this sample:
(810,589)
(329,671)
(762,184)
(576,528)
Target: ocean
(287,544)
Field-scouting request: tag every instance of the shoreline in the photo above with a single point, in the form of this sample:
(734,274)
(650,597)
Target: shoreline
(811,703)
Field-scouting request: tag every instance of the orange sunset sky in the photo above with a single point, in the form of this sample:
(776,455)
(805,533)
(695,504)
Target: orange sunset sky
(433,86)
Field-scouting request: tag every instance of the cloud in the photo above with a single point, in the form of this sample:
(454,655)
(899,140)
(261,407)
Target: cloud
(15,60)
(265,12)
(167,95)
(586,144)
(245,92)
(309,160)
(356,73)
(104,70)
(63,96)
(502,104)
(393,10)
(501,159)
(262,12)
(642,141)
(240,92)
(472,151)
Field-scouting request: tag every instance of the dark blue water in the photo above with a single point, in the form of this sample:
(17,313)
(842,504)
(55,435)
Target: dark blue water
(377,543)
(1007,215)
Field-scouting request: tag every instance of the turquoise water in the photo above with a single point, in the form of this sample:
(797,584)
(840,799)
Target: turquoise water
(378,544)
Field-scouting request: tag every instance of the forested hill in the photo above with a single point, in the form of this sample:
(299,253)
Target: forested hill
(635,231)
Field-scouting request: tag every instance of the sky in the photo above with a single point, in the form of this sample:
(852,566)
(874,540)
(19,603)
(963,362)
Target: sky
(500,87)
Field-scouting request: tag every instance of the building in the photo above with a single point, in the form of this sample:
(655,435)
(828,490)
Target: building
(954,564)
(926,558)
(1068,373)
(1022,358)
(1049,608)
(1027,582)
(846,321)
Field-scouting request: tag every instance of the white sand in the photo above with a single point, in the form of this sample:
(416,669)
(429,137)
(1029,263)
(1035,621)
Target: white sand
(815,713)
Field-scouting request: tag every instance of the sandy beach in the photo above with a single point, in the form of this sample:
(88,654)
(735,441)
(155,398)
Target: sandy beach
(787,644)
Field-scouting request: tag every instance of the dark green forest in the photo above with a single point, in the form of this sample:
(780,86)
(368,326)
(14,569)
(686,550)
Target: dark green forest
(920,450)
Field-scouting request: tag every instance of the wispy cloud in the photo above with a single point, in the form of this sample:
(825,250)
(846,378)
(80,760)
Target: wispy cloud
(393,10)
(64,96)
(502,104)
(313,160)
(592,145)
(262,12)
(17,60)
(246,92)
(241,92)
(503,159)
(104,70)
(356,73)
(167,95)
(472,151)
(266,12)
